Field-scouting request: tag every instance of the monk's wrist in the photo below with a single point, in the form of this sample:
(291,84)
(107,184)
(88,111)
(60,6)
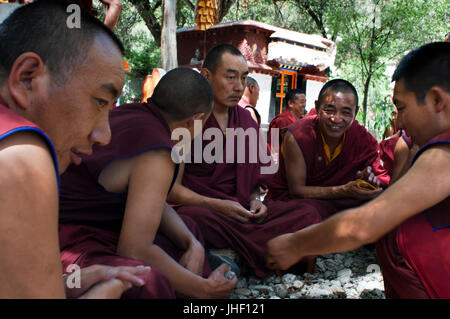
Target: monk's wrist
(209,203)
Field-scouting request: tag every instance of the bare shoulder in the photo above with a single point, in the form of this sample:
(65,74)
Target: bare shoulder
(25,158)
(116,176)
(28,217)
(434,162)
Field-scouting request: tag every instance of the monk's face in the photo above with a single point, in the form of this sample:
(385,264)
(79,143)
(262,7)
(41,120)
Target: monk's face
(228,81)
(298,105)
(416,119)
(75,114)
(336,114)
(254,95)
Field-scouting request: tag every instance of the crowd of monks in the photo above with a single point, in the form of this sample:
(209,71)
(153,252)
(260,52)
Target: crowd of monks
(89,184)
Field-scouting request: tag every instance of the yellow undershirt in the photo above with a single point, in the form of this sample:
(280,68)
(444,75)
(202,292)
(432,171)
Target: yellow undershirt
(328,156)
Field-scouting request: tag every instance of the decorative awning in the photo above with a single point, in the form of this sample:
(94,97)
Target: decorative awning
(297,50)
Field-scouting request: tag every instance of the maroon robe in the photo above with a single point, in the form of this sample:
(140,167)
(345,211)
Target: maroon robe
(359,150)
(415,257)
(235,182)
(387,148)
(91,217)
(11,122)
(280,121)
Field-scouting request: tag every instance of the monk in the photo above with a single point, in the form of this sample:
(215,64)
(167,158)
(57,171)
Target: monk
(41,132)
(324,155)
(113,206)
(409,221)
(250,98)
(295,102)
(223,196)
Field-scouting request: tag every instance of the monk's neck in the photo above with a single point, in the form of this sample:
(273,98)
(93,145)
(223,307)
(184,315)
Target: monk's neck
(221,113)
(295,114)
(332,143)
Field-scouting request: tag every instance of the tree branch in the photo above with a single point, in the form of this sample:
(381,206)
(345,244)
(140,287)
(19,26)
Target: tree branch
(190,5)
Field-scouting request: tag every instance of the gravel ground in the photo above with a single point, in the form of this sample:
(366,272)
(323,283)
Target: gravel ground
(353,275)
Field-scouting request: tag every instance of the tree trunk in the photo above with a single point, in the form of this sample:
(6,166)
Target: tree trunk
(366,93)
(168,35)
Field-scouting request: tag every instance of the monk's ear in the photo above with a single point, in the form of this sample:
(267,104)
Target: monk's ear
(206,73)
(198,117)
(356,111)
(438,98)
(26,78)
(190,121)
(317,106)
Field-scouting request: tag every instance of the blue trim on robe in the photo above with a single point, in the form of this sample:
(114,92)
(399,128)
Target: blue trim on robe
(46,138)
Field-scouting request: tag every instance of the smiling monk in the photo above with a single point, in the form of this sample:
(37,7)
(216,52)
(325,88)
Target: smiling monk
(328,162)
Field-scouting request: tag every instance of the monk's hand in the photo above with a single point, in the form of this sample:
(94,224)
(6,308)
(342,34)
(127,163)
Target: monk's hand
(258,209)
(368,176)
(281,253)
(357,190)
(232,209)
(101,281)
(217,286)
(194,257)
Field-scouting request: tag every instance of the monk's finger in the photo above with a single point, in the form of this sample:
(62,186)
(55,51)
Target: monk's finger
(130,277)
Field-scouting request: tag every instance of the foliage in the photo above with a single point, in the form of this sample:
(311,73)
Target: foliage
(371,35)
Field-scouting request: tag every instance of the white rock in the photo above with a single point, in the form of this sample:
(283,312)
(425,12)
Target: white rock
(318,292)
(297,283)
(281,291)
(369,285)
(263,289)
(289,279)
(242,283)
(344,275)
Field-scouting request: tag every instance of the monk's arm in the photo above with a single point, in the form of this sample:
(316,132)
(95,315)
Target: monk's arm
(176,230)
(113,12)
(403,156)
(424,185)
(296,174)
(29,249)
(149,180)
(180,194)
(185,196)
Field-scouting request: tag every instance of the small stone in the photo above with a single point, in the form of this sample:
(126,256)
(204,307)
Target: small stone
(348,262)
(318,292)
(263,289)
(253,281)
(281,291)
(297,284)
(242,283)
(344,275)
(289,279)
(369,285)
(320,265)
(296,295)
(243,292)
(230,275)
